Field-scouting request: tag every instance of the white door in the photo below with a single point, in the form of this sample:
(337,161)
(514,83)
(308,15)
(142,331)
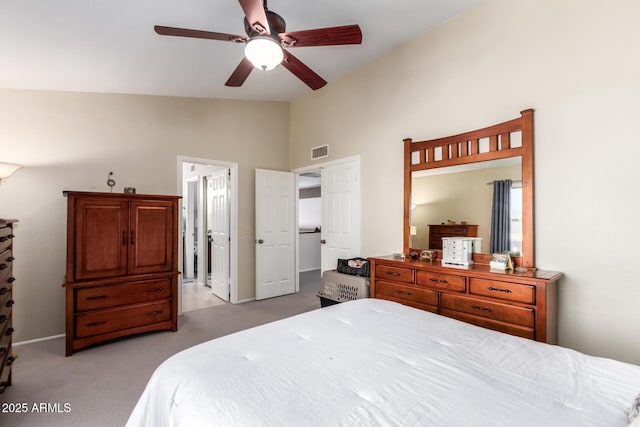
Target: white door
(275,233)
(191,228)
(340,237)
(218,221)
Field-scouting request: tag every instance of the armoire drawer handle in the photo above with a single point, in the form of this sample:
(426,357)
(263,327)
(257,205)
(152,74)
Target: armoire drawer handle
(477,307)
(97,297)
(133,238)
(11,279)
(7,237)
(3,318)
(9,331)
(393,273)
(4,291)
(433,279)
(3,386)
(11,259)
(11,359)
(97,323)
(3,351)
(9,303)
(506,291)
(3,266)
(157,289)
(398,291)
(154,313)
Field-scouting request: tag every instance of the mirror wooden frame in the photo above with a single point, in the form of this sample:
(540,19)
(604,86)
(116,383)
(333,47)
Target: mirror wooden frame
(464,149)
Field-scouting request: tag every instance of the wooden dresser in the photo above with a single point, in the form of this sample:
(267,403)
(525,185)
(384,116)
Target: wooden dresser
(438,231)
(6,301)
(122,266)
(522,304)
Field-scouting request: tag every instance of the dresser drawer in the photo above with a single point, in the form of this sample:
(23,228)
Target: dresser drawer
(117,319)
(396,274)
(503,290)
(492,310)
(6,237)
(121,294)
(445,282)
(508,328)
(406,293)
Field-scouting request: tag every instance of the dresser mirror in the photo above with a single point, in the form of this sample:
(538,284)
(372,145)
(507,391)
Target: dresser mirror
(450,181)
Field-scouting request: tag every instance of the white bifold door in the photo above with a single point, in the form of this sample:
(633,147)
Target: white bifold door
(275,233)
(218,231)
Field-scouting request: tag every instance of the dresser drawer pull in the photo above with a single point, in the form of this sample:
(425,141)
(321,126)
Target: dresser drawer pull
(97,323)
(3,266)
(156,289)
(3,386)
(4,291)
(3,318)
(154,313)
(433,279)
(398,291)
(96,297)
(7,237)
(9,303)
(11,279)
(506,291)
(11,359)
(393,273)
(477,307)
(9,331)
(3,351)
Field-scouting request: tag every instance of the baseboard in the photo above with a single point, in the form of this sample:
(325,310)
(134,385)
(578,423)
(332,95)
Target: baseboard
(246,300)
(54,337)
(310,269)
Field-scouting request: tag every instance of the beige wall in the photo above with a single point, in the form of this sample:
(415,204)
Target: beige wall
(576,63)
(71,141)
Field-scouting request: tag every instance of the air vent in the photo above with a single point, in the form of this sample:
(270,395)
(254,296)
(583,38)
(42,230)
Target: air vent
(319,152)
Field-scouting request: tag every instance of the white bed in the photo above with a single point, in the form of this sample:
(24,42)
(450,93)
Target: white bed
(372,362)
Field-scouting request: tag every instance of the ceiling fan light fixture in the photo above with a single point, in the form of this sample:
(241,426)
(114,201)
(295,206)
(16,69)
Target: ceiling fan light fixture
(264,52)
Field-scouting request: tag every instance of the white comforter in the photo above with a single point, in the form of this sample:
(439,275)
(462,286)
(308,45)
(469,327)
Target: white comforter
(377,363)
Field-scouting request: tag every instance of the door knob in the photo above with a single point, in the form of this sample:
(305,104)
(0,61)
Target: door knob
(260,241)
(322,242)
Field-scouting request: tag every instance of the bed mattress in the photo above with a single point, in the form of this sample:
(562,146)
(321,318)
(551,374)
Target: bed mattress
(373,362)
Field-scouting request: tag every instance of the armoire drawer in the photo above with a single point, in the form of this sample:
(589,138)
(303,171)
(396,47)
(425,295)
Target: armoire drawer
(492,310)
(403,293)
(503,290)
(6,237)
(105,296)
(395,274)
(445,282)
(116,319)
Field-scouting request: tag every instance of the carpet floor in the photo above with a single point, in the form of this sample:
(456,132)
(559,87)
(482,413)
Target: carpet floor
(99,386)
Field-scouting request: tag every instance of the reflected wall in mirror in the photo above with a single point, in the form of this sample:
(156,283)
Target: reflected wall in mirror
(463,194)
(450,179)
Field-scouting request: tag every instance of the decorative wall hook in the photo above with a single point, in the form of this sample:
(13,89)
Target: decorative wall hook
(111,182)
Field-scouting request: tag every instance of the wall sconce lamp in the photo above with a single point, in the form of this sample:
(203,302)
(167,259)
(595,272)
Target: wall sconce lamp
(7,169)
(413,230)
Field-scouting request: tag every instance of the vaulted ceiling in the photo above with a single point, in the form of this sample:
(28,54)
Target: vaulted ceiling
(110,45)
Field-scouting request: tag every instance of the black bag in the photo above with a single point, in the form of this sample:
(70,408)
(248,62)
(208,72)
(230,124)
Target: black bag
(354,266)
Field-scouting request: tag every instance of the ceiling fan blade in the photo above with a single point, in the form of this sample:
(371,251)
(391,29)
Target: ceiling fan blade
(198,34)
(301,71)
(240,74)
(332,36)
(256,16)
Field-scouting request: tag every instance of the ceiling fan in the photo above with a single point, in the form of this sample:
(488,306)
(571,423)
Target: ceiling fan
(267,43)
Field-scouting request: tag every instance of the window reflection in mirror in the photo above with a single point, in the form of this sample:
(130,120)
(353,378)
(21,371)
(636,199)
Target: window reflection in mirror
(464,193)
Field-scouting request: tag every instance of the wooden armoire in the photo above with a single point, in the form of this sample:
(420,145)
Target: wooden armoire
(122,266)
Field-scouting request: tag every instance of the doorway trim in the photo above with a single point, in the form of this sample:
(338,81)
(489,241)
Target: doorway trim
(233,221)
(315,167)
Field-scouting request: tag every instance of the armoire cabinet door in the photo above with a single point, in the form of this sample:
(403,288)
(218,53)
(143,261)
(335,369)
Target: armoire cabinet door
(101,228)
(151,236)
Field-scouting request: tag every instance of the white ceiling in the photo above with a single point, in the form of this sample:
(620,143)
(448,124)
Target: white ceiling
(110,45)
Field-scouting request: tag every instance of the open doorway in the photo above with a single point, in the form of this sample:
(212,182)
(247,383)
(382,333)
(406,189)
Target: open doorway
(208,230)
(309,220)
